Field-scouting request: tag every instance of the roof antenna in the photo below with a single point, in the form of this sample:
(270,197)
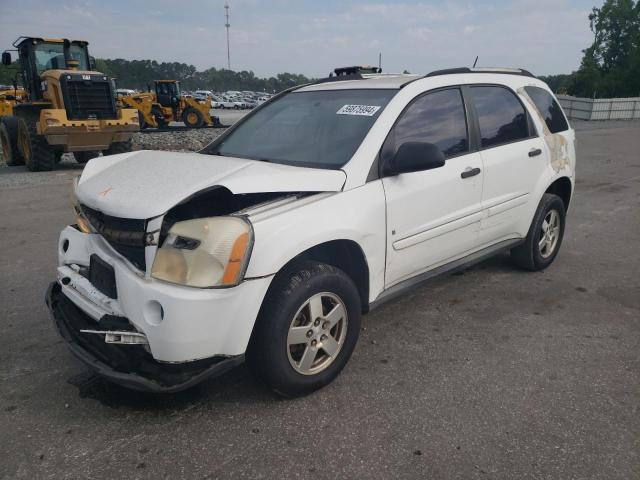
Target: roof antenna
(474,63)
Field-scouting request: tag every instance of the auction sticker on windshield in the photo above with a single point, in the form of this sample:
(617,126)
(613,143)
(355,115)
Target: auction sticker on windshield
(365,110)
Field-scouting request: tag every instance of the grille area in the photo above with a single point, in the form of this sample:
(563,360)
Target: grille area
(88,99)
(125,235)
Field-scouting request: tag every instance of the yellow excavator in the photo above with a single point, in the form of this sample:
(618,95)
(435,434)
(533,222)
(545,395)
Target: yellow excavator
(67,107)
(165,104)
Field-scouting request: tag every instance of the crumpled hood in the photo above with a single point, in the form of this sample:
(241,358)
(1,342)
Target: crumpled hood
(146,183)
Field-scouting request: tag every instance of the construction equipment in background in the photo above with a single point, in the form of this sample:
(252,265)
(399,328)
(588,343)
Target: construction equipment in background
(165,104)
(68,107)
(9,97)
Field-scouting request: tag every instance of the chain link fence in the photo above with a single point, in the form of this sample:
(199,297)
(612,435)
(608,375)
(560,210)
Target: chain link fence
(577,108)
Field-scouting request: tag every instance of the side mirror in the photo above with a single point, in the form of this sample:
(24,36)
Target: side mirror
(92,63)
(414,157)
(6,58)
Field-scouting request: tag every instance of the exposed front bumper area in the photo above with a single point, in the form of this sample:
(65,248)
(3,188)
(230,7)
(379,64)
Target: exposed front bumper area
(181,324)
(127,365)
(80,135)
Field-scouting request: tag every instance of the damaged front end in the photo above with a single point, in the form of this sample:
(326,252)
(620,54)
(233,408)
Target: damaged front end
(132,367)
(151,289)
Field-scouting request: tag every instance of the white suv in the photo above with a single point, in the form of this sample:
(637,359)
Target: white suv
(320,204)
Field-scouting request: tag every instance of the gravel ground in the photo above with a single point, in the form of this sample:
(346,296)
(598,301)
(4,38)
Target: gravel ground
(492,373)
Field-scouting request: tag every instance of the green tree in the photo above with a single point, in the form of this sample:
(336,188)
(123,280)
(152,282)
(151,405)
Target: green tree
(610,66)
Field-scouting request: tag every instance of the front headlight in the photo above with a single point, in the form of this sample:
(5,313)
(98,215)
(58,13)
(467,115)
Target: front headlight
(205,252)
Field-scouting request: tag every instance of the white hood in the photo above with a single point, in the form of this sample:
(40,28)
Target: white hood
(146,183)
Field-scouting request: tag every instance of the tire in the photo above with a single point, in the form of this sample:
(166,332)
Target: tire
(542,243)
(38,155)
(9,140)
(192,118)
(283,366)
(118,147)
(84,157)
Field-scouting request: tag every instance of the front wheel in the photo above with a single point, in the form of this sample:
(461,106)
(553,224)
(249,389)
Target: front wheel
(192,118)
(38,155)
(307,329)
(545,235)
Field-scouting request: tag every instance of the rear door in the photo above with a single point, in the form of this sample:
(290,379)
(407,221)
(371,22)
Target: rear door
(514,158)
(432,215)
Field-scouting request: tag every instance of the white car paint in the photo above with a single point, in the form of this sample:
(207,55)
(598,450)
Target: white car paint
(404,225)
(146,184)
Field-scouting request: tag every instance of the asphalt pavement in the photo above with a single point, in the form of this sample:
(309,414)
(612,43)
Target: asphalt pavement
(489,373)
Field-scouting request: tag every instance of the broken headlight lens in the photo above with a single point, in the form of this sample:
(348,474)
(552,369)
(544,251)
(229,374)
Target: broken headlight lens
(205,252)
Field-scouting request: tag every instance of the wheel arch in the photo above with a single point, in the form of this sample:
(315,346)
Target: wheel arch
(345,254)
(562,187)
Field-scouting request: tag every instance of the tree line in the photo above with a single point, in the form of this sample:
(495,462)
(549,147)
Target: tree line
(610,67)
(138,74)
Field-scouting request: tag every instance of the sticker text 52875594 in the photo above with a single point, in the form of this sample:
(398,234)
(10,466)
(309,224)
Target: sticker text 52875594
(364,110)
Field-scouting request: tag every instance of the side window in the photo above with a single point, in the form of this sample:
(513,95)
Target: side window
(501,116)
(548,108)
(437,118)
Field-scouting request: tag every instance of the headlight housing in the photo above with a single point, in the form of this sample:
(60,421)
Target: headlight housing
(205,252)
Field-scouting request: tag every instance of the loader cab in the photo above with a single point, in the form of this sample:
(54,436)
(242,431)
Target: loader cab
(37,55)
(168,93)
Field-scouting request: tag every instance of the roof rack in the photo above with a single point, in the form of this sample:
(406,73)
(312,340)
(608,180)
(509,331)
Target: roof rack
(507,71)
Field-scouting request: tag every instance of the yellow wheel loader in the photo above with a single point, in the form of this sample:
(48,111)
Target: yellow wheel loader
(69,107)
(166,104)
(9,129)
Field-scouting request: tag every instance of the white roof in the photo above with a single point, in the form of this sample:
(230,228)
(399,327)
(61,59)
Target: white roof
(369,81)
(397,80)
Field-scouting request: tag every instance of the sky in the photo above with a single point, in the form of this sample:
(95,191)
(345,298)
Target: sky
(313,37)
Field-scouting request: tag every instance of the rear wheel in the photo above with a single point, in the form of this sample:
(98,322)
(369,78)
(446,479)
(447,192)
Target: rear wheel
(9,140)
(38,154)
(84,157)
(307,329)
(545,235)
(192,118)
(118,147)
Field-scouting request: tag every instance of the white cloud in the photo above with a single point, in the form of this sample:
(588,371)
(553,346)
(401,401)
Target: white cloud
(546,36)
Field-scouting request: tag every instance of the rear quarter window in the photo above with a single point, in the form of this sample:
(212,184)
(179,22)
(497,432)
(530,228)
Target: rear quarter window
(548,108)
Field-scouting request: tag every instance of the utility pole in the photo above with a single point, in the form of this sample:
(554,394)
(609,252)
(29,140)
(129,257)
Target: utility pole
(227,25)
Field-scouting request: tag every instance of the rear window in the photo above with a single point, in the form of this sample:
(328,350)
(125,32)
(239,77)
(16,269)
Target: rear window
(548,108)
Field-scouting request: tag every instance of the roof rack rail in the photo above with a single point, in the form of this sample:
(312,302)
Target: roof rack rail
(507,71)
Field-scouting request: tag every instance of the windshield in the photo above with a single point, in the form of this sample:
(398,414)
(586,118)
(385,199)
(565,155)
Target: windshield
(321,129)
(50,56)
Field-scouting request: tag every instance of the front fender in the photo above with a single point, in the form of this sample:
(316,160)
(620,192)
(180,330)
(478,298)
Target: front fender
(287,231)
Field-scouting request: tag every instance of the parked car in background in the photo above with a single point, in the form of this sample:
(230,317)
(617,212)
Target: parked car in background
(321,205)
(224,103)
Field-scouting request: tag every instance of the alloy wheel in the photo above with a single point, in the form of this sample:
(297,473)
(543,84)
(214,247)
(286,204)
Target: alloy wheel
(317,333)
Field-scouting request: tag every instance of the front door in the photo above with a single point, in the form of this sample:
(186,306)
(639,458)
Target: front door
(433,216)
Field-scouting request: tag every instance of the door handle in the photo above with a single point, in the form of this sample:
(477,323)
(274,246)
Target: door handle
(534,152)
(470,172)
